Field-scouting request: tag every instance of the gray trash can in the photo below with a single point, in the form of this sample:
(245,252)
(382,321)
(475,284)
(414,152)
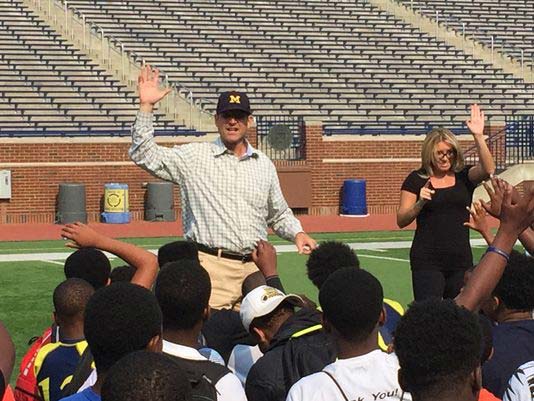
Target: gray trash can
(159,203)
(71,203)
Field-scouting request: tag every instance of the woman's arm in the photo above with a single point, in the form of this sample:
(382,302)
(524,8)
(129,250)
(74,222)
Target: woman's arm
(486,166)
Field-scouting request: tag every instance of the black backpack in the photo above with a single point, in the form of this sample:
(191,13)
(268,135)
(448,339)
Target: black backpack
(203,376)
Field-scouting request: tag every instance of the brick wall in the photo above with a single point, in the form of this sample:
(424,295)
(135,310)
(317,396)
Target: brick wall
(383,161)
(39,165)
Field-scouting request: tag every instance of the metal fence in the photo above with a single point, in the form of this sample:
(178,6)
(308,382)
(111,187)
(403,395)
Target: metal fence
(519,139)
(281,137)
(497,145)
(512,145)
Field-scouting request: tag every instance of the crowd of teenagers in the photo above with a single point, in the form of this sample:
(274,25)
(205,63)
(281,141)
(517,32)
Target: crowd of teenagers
(145,330)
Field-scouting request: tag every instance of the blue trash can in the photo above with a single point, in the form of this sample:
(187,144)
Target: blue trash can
(354,199)
(116,206)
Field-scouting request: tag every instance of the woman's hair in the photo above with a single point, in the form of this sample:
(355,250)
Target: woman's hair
(428,155)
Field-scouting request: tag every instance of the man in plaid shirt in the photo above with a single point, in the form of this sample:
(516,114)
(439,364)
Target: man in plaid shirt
(230,191)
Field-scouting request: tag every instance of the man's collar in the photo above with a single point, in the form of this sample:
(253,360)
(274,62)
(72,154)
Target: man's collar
(219,148)
(181,351)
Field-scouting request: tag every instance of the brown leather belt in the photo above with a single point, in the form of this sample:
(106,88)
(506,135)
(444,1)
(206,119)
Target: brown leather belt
(244,258)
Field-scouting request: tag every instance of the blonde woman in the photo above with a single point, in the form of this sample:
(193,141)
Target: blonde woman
(436,197)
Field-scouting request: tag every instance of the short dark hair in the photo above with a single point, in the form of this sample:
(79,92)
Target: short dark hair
(89,264)
(438,344)
(272,319)
(143,376)
(183,291)
(327,258)
(119,319)
(352,300)
(70,298)
(122,273)
(176,251)
(516,287)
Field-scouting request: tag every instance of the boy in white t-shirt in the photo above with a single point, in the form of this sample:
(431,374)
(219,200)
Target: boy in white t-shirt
(352,303)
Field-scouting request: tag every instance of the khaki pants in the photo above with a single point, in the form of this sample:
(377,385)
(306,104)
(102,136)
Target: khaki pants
(227,276)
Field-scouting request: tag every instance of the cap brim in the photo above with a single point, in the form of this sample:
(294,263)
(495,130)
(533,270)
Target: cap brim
(292,299)
(249,112)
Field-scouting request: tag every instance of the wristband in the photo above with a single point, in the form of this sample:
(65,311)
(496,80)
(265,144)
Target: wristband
(498,251)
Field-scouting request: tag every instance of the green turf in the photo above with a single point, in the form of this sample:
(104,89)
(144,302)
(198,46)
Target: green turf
(59,245)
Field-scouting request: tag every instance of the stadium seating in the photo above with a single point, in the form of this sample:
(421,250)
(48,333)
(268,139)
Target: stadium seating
(347,63)
(510,22)
(48,85)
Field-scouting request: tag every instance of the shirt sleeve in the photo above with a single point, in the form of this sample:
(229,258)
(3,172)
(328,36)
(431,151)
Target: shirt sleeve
(519,387)
(166,163)
(280,217)
(464,175)
(275,282)
(230,389)
(295,393)
(492,377)
(413,183)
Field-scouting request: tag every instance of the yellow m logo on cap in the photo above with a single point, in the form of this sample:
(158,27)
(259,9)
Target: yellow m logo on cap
(235,99)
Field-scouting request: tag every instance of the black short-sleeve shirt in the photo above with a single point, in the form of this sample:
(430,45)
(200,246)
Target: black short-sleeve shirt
(441,241)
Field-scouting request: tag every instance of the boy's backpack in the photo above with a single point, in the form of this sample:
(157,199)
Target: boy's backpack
(26,388)
(203,376)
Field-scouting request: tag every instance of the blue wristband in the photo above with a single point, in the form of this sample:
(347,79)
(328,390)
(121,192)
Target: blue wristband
(498,251)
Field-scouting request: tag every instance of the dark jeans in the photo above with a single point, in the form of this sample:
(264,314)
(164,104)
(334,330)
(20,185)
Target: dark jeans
(435,283)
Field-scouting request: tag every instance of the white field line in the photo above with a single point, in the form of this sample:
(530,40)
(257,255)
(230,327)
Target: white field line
(371,246)
(53,262)
(363,255)
(275,242)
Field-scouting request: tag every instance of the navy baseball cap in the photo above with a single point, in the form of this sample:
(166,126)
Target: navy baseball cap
(233,100)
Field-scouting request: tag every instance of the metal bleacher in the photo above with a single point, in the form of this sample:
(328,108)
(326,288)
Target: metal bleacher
(48,86)
(347,63)
(509,22)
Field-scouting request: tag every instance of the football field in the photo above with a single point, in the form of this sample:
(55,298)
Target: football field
(31,270)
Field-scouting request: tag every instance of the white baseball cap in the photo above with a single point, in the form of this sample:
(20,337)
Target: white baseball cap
(263,300)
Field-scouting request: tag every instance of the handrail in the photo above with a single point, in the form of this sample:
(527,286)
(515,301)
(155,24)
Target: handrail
(484,38)
(497,145)
(124,64)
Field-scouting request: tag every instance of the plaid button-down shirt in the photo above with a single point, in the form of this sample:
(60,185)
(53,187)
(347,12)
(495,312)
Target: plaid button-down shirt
(227,202)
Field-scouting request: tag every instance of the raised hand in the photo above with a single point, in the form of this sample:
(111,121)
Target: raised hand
(496,195)
(479,222)
(148,85)
(264,256)
(81,236)
(426,193)
(519,216)
(476,121)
